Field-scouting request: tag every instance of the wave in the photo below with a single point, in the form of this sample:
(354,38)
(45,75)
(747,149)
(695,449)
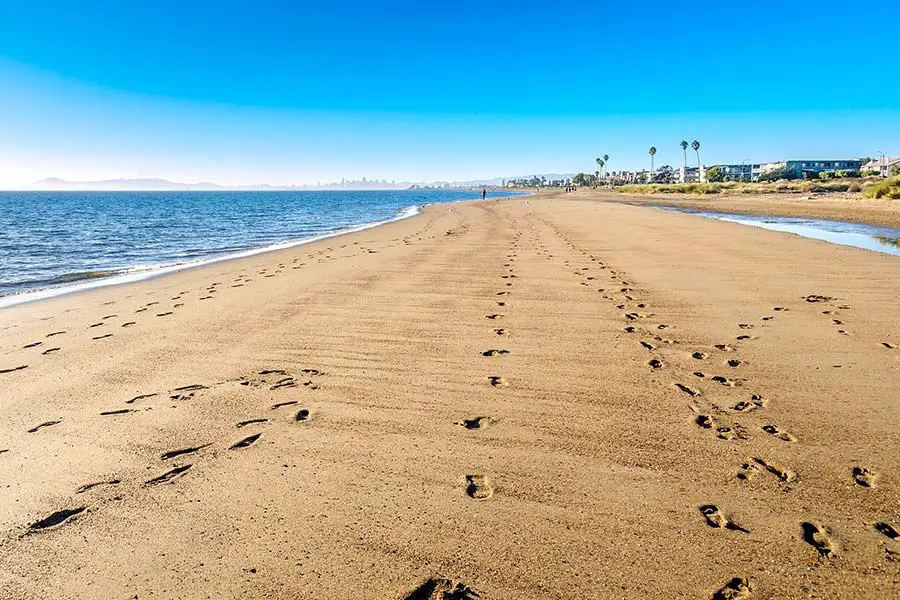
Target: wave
(87,280)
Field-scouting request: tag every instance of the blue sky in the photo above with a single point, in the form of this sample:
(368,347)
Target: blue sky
(290,92)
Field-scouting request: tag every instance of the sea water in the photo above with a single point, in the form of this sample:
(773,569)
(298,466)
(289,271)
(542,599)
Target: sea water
(54,242)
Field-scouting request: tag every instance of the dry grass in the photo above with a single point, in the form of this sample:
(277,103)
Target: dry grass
(888,188)
(734,187)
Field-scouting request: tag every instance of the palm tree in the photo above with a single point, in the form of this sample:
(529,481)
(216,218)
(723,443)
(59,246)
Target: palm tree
(696,146)
(652,154)
(684,147)
(605,163)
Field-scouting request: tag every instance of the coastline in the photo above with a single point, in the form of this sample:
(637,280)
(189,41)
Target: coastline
(143,272)
(832,207)
(502,394)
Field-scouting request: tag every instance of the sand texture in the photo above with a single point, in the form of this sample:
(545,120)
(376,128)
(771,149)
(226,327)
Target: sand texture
(538,398)
(832,206)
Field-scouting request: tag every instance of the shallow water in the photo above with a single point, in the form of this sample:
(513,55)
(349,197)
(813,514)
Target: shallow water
(858,235)
(59,241)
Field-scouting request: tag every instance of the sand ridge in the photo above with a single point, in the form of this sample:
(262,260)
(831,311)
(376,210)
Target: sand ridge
(525,398)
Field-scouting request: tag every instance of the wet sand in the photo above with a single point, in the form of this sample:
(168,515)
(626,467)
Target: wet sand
(526,398)
(833,206)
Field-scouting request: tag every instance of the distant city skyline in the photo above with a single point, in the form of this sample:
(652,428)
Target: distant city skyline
(282,94)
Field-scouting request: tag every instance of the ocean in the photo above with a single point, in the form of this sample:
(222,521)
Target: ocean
(55,242)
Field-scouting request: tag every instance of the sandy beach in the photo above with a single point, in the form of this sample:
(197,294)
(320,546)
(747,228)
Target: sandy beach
(834,206)
(532,398)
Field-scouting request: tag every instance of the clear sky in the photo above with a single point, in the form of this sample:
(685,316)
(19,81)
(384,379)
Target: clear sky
(297,92)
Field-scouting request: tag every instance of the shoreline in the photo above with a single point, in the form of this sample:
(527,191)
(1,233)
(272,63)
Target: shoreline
(848,208)
(525,399)
(145,272)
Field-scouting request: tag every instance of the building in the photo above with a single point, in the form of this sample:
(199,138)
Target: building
(810,169)
(884,166)
(690,175)
(741,172)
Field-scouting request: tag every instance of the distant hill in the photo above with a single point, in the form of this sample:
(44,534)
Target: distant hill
(150,184)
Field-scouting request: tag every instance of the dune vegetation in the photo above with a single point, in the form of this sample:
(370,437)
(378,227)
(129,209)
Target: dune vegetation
(736,187)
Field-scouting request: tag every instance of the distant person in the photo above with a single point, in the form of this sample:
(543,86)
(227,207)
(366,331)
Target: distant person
(483,193)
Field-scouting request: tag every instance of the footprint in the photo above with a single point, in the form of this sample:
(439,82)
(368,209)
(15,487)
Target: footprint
(886,529)
(889,345)
(705,421)
(44,424)
(55,333)
(169,475)
(500,331)
(688,390)
(494,352)
(95,325)
(648,345)
(655,363)
(715,518)
(251,422)
(280,404)
(494,316)
(190,388)
(57,518)
(90,486)
(817,537)
(102,337)
(120,411)
(745,337)
(725,347)
(141,397)
(164,314)
(497,381)
(750,466)
(699,355)
(734,363)
(247,441)
(699,374)
(756,401)
(283,383)
(301,415)
(864,477)
(13,369)
(476,422)
(781,435)
(128,324)
(32,345)
(737,589)
(812,298)
(723,380)
(745,325)
(630,329)
(173,453)
(478,487)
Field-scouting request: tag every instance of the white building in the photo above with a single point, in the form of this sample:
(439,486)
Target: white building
(884,166)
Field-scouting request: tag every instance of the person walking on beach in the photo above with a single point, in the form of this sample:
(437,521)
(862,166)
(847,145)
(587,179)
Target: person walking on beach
(483,193)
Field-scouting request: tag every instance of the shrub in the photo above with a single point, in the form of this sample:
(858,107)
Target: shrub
(870,173)
(889,188)
(779,173)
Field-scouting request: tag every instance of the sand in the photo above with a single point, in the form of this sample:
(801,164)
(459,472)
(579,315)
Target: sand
(526,398)
(832,206)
